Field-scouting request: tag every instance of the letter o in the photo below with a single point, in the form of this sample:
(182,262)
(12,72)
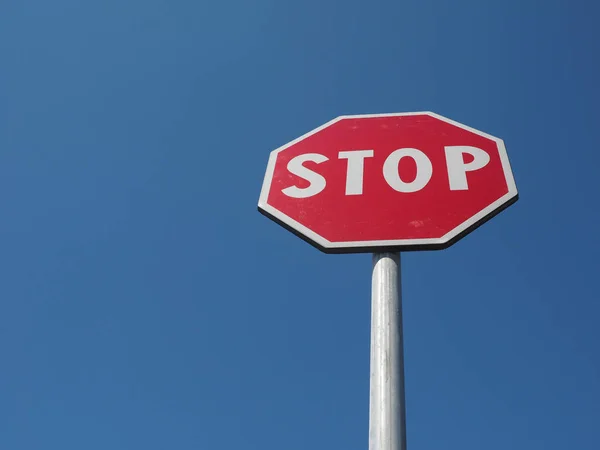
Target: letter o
(392,176)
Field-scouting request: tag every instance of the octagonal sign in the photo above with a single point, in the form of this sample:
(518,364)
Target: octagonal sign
(407,181)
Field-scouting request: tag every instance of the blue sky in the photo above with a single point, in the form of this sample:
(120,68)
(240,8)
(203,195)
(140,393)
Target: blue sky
(145,303)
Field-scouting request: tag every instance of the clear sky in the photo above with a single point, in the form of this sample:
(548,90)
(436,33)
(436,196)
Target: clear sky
(146,304)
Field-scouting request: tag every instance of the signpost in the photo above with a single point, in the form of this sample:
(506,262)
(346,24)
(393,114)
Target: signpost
(386,183)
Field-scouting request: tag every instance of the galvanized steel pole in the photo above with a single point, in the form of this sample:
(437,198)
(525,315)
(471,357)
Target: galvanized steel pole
(387,421)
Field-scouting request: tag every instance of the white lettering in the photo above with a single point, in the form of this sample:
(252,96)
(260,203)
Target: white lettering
(317,182)
(356,169)
(457,169)
(392,175)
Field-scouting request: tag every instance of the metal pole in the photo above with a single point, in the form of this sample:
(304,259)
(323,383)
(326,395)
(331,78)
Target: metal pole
(387,423)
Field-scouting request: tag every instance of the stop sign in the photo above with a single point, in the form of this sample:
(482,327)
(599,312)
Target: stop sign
(407,181)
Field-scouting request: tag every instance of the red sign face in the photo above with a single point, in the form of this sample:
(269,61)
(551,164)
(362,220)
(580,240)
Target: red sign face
(387,182)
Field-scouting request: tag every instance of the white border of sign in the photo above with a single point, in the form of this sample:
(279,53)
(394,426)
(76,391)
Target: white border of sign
(402,244)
